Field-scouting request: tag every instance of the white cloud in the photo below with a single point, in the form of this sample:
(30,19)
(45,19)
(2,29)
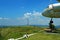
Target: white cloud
(1,18)
(34,18)
(27,15)
(36,14)
(20,18)
(6,18)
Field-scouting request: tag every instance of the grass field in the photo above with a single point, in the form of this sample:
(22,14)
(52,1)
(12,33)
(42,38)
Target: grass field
(44,36)
(19,31)
(16,32)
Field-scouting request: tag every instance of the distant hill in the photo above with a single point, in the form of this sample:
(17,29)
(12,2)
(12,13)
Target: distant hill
(42,26)
(58,26)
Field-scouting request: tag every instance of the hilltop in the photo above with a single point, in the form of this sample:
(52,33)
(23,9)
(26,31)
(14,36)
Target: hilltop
(18,31)
(44,36)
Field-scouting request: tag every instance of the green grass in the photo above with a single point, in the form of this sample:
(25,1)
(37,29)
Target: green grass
(16,32)
(44,36)
(19,31)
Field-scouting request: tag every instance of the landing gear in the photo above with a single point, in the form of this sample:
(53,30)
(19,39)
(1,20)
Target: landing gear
(52,26)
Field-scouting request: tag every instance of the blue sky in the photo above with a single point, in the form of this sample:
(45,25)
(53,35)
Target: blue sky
(16,12)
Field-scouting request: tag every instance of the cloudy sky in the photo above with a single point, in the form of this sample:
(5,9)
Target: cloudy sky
(19,12)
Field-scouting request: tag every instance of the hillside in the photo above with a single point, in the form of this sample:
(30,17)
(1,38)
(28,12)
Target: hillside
(44,36)
(15,32)
(19,31)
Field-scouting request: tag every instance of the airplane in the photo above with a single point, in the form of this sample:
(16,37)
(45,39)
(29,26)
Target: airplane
(53,11)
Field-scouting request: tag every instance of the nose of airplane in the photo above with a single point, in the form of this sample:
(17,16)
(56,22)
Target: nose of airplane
(53,11)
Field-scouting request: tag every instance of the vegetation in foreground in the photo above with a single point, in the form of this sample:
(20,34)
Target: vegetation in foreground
(18,31)
(44,36)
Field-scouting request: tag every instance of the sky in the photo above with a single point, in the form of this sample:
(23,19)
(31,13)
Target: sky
(20,12)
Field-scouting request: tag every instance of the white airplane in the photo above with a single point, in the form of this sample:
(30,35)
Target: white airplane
(53,11)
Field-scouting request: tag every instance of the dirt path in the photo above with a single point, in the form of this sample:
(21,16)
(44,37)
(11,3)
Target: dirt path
(24,36)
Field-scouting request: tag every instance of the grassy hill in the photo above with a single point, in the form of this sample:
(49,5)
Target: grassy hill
(19,31)
(44,36)
(16,32)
